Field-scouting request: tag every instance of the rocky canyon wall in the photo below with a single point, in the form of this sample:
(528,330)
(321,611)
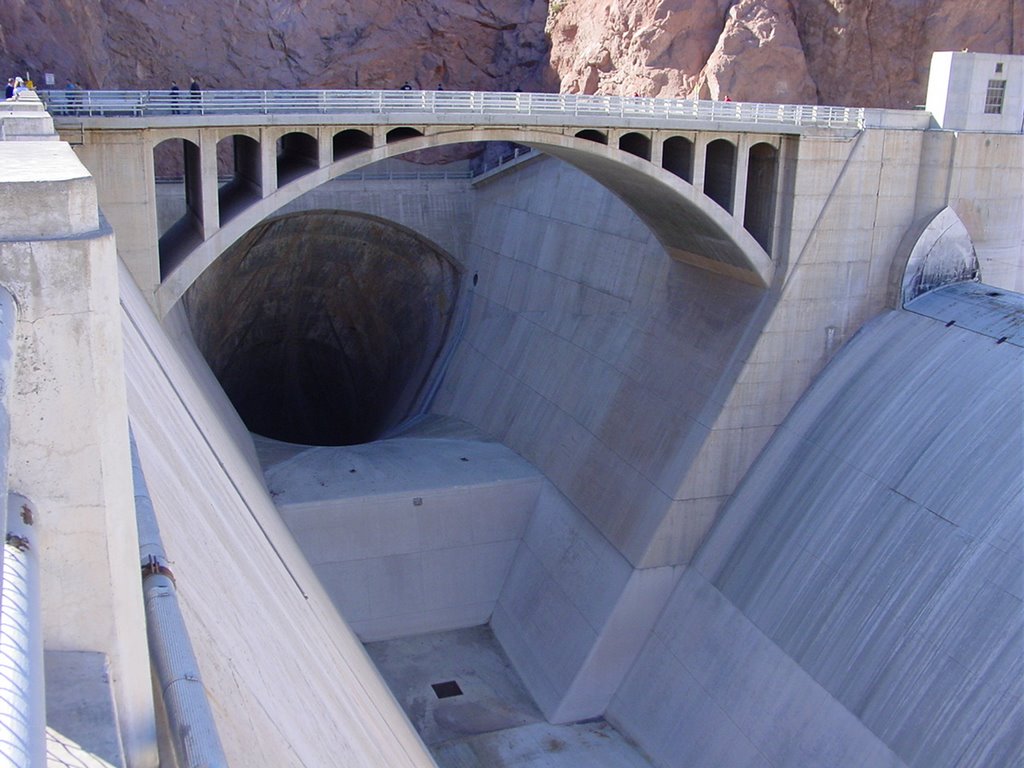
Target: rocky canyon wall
(873,53)
(852,52)
(462,44)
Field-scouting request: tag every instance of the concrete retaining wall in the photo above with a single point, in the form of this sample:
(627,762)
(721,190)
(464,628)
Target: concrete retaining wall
(68,417)
(412,534)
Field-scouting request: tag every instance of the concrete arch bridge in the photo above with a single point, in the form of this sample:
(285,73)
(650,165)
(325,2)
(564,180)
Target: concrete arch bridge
(708,178)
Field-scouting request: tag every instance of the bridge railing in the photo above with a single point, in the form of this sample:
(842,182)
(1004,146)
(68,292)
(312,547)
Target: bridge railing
(452,103)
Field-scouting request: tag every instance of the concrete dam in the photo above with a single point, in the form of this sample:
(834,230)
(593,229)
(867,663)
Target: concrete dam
(839,548)
(478,472)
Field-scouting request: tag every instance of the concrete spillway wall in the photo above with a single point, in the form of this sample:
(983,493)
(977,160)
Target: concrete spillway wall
(603,362)
(642,388)
(290,684)
(860,602)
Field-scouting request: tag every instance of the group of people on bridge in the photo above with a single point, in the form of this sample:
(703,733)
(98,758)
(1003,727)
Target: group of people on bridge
(194,90)
(16,86)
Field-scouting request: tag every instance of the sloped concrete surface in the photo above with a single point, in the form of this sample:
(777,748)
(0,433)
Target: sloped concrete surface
(872,562)
(289,683)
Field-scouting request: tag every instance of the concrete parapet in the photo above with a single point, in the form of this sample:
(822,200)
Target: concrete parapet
(45,192)
(24,119)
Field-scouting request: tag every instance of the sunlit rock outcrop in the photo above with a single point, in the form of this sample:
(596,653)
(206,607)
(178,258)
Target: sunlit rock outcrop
(793,51)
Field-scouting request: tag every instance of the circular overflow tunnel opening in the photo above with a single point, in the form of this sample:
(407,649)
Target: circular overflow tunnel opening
(323,327)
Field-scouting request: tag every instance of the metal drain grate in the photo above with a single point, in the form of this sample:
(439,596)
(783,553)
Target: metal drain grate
(446,689)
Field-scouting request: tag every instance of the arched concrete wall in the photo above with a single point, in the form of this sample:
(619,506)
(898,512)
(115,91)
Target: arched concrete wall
(934,252)
(689,225)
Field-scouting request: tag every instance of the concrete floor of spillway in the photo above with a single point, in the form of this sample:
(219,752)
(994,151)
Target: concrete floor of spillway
(491,721)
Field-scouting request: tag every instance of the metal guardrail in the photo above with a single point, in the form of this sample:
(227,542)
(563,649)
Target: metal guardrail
(446,103)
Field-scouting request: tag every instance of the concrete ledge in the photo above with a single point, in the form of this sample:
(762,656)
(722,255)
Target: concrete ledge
(25,119)
(45,192)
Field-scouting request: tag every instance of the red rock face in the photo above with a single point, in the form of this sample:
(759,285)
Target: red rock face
(846,52)
(853,52)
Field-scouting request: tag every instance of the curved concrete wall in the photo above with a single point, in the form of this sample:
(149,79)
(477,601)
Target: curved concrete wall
(591,352)
(862,593)
(322,327)
(602,361)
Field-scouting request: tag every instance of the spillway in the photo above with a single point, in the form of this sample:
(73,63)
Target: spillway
(881,514)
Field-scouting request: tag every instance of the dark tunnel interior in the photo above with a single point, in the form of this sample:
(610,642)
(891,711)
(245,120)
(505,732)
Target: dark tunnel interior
(323,327)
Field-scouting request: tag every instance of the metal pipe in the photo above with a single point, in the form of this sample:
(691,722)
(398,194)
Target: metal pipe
(22,696)
(193,732)
(8,316)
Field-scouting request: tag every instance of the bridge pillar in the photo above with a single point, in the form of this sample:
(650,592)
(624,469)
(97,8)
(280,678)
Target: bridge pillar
(739,195)
(325,146)
(122,164)
(209,209)
(700,160)
(268,162)
(657,147)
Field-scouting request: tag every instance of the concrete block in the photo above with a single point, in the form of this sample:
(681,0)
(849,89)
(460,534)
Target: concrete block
(46,191)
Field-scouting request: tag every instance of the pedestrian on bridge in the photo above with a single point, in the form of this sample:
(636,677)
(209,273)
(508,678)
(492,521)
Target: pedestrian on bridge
(73,97)
(175,95)
(195,92)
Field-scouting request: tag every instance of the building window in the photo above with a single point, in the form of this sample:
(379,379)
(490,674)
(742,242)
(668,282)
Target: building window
(999,68)
(994,97)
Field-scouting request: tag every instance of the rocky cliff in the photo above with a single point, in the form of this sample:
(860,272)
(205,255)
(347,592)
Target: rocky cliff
(462,44)
(856,52)
(847,52)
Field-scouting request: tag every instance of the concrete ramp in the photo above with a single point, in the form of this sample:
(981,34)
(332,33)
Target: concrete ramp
(289,683)
(860,601)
